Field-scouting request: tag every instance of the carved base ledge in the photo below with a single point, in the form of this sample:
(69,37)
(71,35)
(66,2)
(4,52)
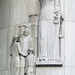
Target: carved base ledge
(49,63)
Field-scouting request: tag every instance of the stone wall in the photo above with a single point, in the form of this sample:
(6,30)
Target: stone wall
(5,21)
(14,13)
(69,37)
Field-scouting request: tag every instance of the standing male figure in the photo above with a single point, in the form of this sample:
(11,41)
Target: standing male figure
(24,41)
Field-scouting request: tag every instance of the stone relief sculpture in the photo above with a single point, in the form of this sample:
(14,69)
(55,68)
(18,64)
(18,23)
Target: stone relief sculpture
(24,41)
(56,17)
(44,24)
(15,54)
(31,62)
(49,30)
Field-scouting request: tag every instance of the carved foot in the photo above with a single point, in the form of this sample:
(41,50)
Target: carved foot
(43,59)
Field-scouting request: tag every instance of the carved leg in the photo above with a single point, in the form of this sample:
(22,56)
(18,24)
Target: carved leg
(43,39)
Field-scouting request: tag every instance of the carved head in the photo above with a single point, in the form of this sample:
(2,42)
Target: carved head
(31,51)
(26,32)
(16,38)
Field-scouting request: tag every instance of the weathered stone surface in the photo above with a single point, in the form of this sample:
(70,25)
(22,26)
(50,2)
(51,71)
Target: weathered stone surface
(69,43)
(69,10)
(3,73)
(69,70)
(19,12)
(50,70)
(3,49)
(5,13)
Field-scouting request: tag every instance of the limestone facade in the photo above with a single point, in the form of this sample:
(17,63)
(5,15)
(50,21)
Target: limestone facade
(16,14)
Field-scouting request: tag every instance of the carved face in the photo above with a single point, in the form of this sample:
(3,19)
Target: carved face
(26,32)
(15,38)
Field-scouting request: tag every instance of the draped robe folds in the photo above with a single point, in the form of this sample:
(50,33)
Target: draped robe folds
(48,32)
(15,61)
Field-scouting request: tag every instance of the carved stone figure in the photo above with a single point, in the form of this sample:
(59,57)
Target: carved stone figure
(31,62)
(49,29)
(24,41)
(45,26)
(15,51)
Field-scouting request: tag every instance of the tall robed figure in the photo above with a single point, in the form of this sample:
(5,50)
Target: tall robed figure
(49,31)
